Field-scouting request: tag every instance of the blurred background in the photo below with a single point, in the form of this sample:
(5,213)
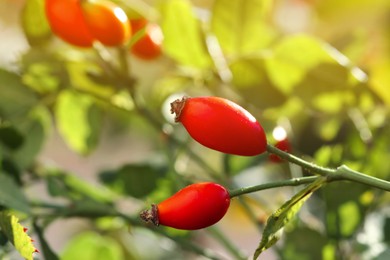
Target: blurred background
(87,139)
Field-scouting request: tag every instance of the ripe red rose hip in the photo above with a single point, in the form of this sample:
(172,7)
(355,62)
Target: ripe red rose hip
(220,124)
(194,207)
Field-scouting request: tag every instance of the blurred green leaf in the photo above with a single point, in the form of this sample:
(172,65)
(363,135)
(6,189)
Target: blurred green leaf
(377,159)
(11,195)
(78,120)
(240,25)
(287,65)
(248,72)
(80,78)
(34,22)
(42,76)
(183,39)
(349,214)
(344,213)
(35,128)
(322,78)
(13,230)
(10,137)
(92,246)
(303,243)
(283,215)
(380,81)
(15,99)
(251,80)
(137,180)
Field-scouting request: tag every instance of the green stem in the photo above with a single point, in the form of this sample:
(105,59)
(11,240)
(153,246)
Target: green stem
(270,185)
(345,173)
(296,160)
(341,173)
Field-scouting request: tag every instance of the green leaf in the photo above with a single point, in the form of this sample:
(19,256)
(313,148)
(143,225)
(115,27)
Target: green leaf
(380,81)
(183,39)
(35,25)
(78,120)
(43,76)
(283,215)
(10,137)
(137,180)
(11,195)
(303,243)
(287,65)
(35,129)
(253,83)
(349,214)
(80,72)
(345,212)
(15,99)
(92,246)
(248,72)
(240,25)
(325,79)
(11,227)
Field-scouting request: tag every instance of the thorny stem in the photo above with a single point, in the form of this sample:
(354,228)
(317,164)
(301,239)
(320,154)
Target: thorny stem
(270,185)
(340,173)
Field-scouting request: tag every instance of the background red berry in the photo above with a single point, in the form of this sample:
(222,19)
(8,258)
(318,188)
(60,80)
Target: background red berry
(147,47)
(283,145)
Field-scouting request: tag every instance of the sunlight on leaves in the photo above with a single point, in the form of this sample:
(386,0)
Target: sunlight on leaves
(240,25)
(292,58)
(182,36)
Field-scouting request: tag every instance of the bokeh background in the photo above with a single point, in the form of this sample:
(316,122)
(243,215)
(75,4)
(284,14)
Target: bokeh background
(86,150)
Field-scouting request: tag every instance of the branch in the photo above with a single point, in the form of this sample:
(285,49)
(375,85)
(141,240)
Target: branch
(341,173)
(270,185)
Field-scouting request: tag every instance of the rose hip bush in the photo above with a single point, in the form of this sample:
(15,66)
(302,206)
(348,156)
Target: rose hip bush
(87,134)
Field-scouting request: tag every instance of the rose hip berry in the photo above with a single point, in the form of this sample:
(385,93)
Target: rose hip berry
(220,124)
(82,22)
(194,207)
(148,47)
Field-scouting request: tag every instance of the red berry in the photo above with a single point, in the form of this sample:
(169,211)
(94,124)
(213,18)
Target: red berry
(81,22)
(220,124)
(67,21)
(194,207)
(148,47)
(283,145)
